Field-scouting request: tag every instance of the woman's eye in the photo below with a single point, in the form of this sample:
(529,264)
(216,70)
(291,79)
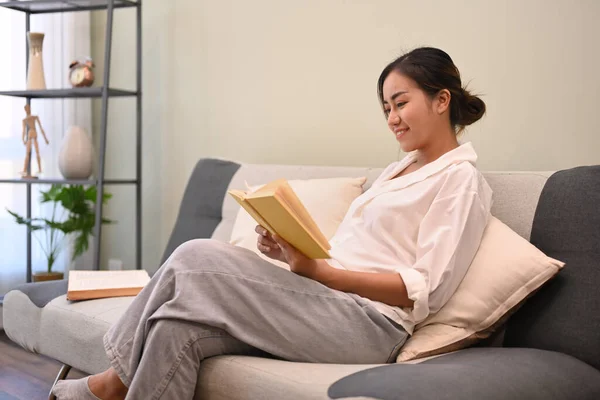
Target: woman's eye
(386,112)
(400,104)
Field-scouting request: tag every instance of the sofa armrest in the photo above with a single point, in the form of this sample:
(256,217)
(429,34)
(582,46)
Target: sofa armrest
(478,373)
(22,311)
(41,293)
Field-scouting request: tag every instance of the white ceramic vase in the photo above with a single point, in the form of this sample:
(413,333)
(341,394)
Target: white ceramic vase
(35,69)
(76,157)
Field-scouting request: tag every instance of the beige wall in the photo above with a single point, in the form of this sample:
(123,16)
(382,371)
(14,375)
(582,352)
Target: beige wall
(294,82)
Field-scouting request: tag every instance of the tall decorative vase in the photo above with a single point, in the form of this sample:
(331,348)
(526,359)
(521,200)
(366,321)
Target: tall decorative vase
(76,157)
(35,69)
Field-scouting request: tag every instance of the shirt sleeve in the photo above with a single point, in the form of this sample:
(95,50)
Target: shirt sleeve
(449,236)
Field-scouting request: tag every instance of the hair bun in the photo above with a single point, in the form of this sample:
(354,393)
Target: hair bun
(470,108)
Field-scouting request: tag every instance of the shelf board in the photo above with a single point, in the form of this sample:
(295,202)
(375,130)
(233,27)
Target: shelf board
(67,93)
(71,181)
(53,6)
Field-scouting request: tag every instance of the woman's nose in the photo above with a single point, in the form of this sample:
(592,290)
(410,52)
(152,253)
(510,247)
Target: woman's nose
(393,118)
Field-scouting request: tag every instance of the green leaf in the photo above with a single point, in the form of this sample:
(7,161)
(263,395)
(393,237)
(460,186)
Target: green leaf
(51,194)
(79,204)
(27,222)
(92,192)
(81,244)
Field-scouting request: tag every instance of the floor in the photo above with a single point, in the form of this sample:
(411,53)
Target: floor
(24,375)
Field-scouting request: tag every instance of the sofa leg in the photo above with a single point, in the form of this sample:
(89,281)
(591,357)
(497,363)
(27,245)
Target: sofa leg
(62,374)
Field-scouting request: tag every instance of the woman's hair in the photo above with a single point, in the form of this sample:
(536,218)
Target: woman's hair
(433,70)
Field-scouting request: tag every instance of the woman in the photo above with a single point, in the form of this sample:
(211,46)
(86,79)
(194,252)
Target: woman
(399,254)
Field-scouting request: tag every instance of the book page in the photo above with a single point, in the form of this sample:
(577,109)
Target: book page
(293,202)
(100,280)
(239,196)
(281,189)
(270,188)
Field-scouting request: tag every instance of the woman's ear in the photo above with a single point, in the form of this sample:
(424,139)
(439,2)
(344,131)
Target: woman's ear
(443,101)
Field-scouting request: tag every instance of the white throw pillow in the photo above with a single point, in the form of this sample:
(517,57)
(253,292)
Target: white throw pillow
(327,200)
(506,270)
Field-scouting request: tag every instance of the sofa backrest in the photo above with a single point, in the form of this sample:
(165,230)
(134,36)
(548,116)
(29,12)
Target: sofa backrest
(515,193)
(200,208)
(206,210)
(564,315)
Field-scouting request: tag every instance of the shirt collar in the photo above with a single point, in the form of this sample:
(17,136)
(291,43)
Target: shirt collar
(464,152)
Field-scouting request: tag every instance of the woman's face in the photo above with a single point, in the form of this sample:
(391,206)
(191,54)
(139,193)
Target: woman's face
(410,112)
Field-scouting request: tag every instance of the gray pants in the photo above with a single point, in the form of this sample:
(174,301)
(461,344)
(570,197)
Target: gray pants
(212,298)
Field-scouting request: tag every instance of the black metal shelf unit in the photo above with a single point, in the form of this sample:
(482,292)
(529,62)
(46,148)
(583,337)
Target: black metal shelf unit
(56,6)
(104,93)
(89,92)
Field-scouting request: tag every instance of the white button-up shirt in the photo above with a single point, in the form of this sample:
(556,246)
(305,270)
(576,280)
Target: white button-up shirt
(426,225)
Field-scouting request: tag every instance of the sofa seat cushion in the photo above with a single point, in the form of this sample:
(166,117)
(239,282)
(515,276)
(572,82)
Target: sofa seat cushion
(478,373)
(72,332)
(245,377)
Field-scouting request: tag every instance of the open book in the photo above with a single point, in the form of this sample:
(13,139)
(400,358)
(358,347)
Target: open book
(85,285)
(277,208)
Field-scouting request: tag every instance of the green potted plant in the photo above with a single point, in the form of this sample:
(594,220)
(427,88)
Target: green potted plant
(77,218)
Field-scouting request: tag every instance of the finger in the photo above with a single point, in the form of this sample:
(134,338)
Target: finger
(264,249)
(287,250)
(261,230)
(266,242)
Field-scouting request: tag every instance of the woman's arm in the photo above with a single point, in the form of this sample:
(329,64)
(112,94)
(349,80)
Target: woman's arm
(387,288)
(449,236)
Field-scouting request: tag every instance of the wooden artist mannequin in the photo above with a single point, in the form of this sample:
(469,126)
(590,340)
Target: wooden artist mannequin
(29,137)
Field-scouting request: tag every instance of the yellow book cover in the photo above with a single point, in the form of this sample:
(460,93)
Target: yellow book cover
(277,208)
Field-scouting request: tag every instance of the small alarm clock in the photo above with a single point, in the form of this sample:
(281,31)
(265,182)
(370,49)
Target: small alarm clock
(81,74)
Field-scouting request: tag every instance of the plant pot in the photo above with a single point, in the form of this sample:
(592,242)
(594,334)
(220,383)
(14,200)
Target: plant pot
(47,276)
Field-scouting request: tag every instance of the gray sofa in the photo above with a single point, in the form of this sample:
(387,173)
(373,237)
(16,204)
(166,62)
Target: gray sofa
(550,350)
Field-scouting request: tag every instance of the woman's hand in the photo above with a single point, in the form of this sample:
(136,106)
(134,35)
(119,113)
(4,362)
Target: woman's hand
(300,264)
(276,248)
(267,246)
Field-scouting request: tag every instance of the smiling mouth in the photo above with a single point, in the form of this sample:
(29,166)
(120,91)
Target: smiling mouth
(400,132)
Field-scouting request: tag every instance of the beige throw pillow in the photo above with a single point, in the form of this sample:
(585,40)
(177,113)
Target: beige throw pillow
(506,270)
(327,200)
